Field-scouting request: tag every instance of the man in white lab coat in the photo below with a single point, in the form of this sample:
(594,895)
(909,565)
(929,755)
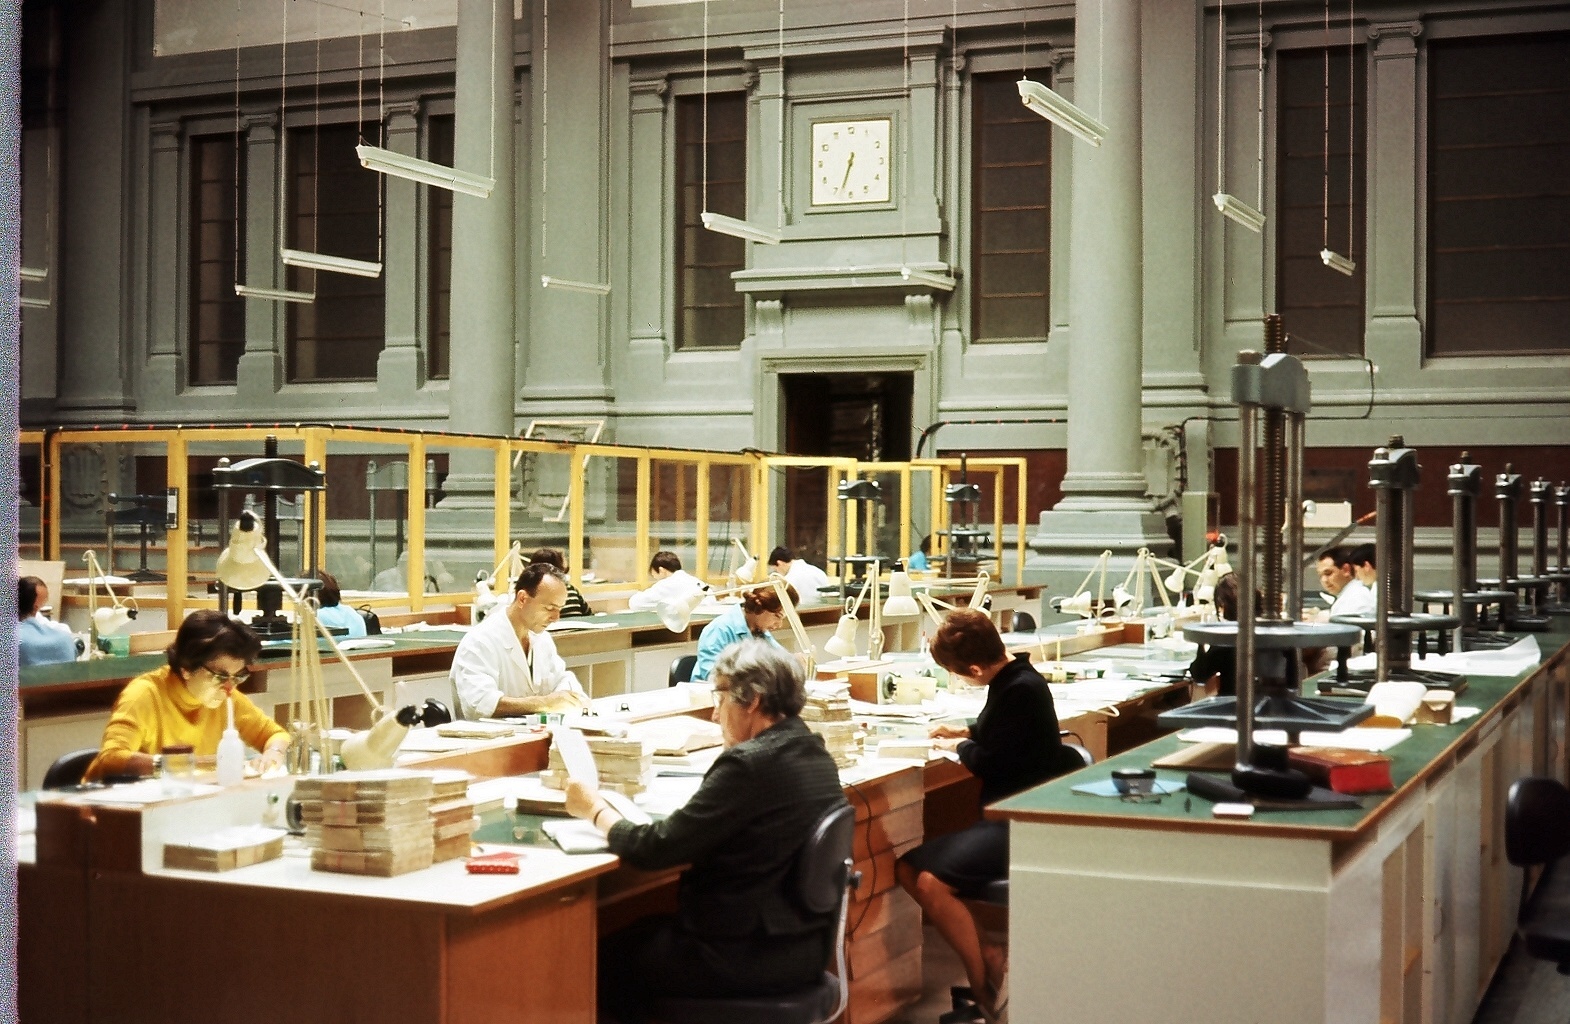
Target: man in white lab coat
(1346,594)
(671,582)
(807,578)
(508,664)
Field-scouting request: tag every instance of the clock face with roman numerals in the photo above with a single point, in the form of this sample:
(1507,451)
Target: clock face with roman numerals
(850,162)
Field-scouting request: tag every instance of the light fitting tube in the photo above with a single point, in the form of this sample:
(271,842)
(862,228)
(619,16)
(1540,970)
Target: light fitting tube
(724,225)
(399,165)
(1239,212)
(247,291)
(30,303)
(1052,106)
(1337,262)
(589,287)
(34,273)
(330,264)
(942,282)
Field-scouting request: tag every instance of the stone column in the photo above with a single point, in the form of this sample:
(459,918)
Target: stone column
(480,384)
(260,373)
(1104,504)
(399,372)
(1395,337)
(648,240)
(163,369)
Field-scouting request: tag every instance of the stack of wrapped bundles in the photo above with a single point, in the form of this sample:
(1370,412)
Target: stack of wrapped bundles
(452,814)
(827,713)
(368,822)
(625,763)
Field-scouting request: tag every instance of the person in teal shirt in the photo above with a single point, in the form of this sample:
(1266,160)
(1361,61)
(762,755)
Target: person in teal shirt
(332,612)
(917,562)
(759,613)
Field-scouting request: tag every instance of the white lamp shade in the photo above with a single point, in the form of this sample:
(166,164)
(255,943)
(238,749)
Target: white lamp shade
(901,601)
(1174,580)
(747,572)
(843,643)
(110,618)
(1222,566)
(1204,594)
(1079,604)
(238,566)
(376,747)
(1121,597)
(676,613)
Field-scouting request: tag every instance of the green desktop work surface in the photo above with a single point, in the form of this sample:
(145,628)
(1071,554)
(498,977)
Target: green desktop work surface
(1056,802)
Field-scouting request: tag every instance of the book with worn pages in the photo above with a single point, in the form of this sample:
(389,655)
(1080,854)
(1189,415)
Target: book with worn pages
(381,822)
(225,849)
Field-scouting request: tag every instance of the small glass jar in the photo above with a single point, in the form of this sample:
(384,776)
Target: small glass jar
(179,770)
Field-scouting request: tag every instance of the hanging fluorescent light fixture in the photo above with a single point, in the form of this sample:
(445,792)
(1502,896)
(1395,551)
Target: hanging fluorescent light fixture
(29,303)
(330,264)
(942,282)
(587,287)
(247,291)
(34,273)
(400,165)
(724,225)
(1337,262)
(1239,212)
(1051,105)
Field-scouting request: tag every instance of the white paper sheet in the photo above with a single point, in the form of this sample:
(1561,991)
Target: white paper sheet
(1374,740)
(576,756)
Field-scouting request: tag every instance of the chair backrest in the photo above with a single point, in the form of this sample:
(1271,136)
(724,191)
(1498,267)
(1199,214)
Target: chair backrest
(1086,758)
(1023,622)
(681,669)
(824,860)
(1537,821)
(68,769)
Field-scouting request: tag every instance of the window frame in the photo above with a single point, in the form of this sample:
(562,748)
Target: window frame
(693,101)
(237,144)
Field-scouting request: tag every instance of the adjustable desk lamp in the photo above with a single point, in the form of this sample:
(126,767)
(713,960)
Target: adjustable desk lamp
(102,621)
(676,613)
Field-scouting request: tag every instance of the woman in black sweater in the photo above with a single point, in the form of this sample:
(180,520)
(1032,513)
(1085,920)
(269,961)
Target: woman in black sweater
(1012,746)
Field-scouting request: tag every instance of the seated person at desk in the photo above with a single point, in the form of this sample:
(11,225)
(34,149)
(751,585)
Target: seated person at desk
(737,930)
(1215,667)
(759,613)
(39,641)
(807,578)
(576,606)
(1364,569)
(332,612)
(917,562)
(1347,595)
(1012,746)
(508,664)
(182,703)
(671,582)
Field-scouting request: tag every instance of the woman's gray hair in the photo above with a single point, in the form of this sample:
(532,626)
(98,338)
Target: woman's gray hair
(756,670)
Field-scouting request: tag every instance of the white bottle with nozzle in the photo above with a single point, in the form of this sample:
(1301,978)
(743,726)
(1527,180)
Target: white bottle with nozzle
(231,752)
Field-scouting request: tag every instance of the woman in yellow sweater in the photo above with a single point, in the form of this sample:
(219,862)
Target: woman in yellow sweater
(182,703)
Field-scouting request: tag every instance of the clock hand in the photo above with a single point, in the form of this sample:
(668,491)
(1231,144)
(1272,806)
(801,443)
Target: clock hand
(848,163)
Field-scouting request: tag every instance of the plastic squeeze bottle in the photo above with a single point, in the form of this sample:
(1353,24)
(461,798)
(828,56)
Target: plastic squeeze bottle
(231,752)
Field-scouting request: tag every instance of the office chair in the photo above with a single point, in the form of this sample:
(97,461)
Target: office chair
(68,769)
(681,669)
(824,880)
(1023,622)
(1537,831)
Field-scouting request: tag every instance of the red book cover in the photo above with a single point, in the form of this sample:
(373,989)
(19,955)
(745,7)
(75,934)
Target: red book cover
(495,864)
(1344,771)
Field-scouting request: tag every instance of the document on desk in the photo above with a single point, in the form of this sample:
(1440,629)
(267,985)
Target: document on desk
(575,755)
(572,835)
(579,622)
(1360,738)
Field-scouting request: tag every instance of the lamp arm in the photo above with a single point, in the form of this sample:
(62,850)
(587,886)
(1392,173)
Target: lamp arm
(979,593)
(1101,592)
(298,600)
(875,618)
(927,603)
(1157,583)
(512,558)
(797,630)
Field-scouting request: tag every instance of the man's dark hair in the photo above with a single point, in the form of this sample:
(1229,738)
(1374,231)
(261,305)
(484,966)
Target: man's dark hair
(781,554)
(550,556)
(1339,555)
(666,560)
(330,595)
(27,596)
(1363,554)
(529,579)
(207,633)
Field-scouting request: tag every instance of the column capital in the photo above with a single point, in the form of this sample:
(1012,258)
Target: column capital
(401,116)
(166,134)
(260,128)
(1395,30)
(1396,40)
(659,85)
(958,63)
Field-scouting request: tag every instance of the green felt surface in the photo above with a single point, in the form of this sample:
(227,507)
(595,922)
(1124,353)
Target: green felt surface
(1408,759)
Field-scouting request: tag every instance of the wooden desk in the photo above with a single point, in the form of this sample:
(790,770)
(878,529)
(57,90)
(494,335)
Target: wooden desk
(1398,910)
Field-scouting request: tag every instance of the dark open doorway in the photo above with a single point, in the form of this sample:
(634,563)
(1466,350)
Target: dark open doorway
(864,416)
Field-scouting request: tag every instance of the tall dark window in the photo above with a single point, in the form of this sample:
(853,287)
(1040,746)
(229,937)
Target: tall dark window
(709,310)
(334,209)
(217,314)
(1321,199)
(1499,195)
(439,262)
(1011,213)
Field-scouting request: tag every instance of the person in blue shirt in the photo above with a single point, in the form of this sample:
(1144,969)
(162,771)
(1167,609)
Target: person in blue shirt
(333,614)
(39,641)
(917,562)
(759,613)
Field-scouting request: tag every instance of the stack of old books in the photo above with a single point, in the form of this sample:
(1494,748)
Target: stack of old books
(625,764)
(452,815)
(368,822)
(827,713)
